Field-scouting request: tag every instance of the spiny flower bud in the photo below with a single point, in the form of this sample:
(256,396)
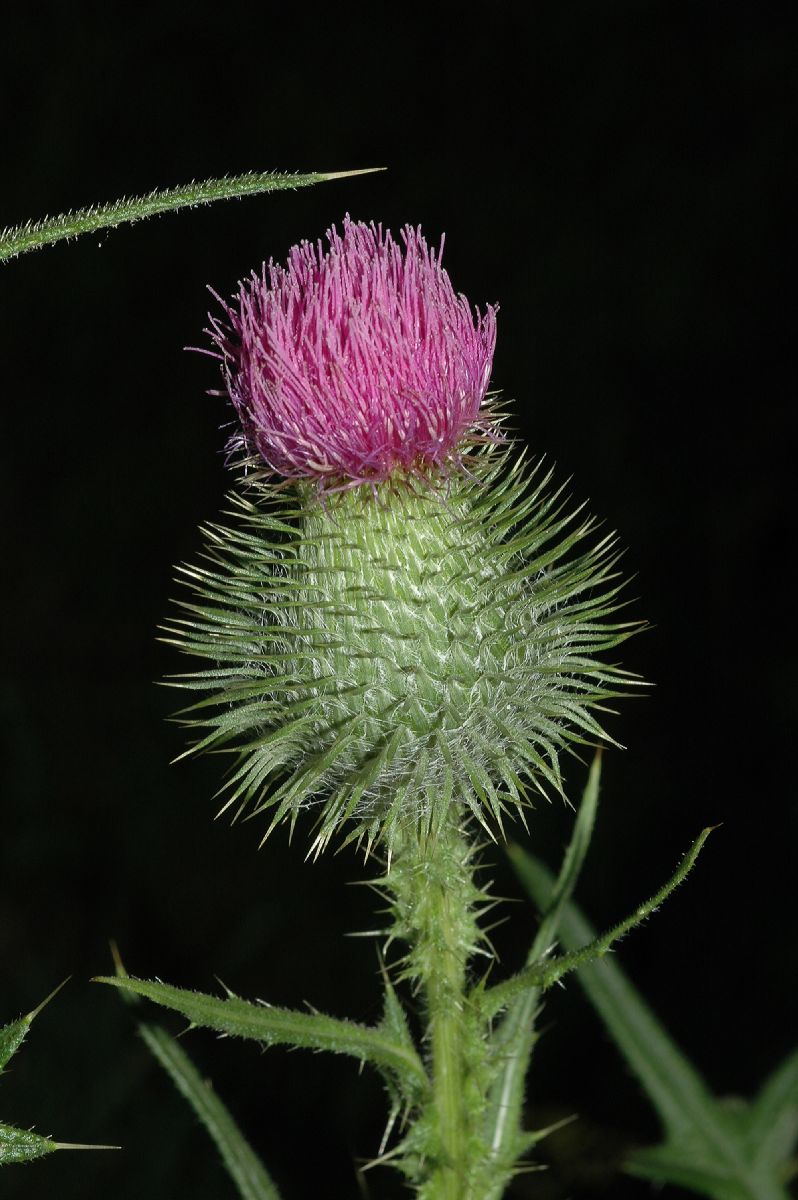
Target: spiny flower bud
(390,637)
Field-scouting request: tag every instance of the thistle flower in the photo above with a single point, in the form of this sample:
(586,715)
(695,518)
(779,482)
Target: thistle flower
(386,653)
(351,364)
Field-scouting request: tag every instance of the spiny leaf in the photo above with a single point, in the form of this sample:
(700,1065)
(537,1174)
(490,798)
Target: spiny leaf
(664,1072)
(23,1145)
(281,1026)
(243,1165)
(394,1025)
(513,1039)
(11,1038)
(708,1148)
(35,234)
(13,1035)
(546,972)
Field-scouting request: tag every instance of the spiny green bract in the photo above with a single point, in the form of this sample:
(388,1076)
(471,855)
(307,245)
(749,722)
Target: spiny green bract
(386,653)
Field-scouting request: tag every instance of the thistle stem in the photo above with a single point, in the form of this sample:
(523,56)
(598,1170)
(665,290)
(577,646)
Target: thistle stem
(445,998)
(435,907)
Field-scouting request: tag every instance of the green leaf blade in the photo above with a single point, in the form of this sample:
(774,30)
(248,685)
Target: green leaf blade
(704,1149)
(667,1076)
(546,972)
(11,1038)
(688,1166)
(773,1121)
(243,1165)
(273,1026)
(22,1145)
(572,865)
(13,1035)
(34,235)
(514,1038)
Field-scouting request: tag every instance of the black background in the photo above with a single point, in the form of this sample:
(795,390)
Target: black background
(616,177)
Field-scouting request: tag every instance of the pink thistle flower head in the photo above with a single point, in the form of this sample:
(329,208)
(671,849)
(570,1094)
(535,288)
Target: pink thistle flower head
(357,361)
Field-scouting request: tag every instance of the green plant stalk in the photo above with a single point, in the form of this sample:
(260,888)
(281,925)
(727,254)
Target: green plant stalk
(436,906)
(445,993)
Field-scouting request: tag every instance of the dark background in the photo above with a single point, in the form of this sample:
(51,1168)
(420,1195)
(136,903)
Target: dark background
(615,176)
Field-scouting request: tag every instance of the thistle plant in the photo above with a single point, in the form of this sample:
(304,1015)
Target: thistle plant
(406,628)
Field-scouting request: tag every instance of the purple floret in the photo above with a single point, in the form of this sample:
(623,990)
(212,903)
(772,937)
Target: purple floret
(353,363)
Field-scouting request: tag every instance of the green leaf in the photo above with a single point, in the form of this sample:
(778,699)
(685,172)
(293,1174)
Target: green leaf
(513,1040)
(773,1125)
(678,1093)
(571,866)
(243,1165)
(394,1026)
(708,1148)
(11,1038)
(546,972)
(686,1166)
(34,235)
(13,1035)
(23,1145)
(282,1026)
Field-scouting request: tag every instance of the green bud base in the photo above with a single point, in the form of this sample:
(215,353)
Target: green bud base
(382,656)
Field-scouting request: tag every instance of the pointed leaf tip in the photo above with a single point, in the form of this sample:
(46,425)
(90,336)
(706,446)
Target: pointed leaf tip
(82,1146)
(13,1035)
(33,1014)
(327,175)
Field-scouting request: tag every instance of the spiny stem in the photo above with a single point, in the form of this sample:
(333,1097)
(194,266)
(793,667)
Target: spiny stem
(445,992)
(436,902)
(34,235)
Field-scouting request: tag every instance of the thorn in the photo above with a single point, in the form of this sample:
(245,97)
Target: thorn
(119,967)
(81,1146)
(383,1158)
(539,1134)
(231,995)
(349,174)
(382,968)
(31,1016)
